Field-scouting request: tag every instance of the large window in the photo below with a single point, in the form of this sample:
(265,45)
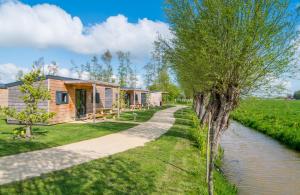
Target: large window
(62,97)
(97,98)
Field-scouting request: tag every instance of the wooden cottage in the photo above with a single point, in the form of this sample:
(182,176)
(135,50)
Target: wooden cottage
(135,97)
(71,99)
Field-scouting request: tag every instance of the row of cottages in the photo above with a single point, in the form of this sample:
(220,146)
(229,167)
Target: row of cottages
(73,99)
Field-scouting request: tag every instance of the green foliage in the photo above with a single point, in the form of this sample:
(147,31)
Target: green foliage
(33,92)
(276,118)
(297,95)
(164,84)
(19,132)
(157,73)
(123,103)
(228,46)
(199,134)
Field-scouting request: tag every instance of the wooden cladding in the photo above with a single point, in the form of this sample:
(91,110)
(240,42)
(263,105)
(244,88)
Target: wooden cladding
(3,97)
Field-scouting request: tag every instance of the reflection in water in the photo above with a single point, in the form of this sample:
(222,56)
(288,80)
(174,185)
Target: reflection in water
(257,164)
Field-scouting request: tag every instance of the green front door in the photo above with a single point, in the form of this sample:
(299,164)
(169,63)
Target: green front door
(80,103)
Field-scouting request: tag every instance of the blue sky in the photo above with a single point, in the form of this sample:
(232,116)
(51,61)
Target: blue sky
(93,11)
(65,30)
(90,24)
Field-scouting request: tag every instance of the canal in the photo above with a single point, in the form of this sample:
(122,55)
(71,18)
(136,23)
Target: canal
(258,164)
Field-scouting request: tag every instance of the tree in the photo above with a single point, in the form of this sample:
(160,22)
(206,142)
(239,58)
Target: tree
(157,63)
(95,69)
(133,77)
(163,83)
(297,95)
(19,75)
(40,63)
(108,73)
(124,69)
(53,68)
(34,92)
(78,69)
(224,49)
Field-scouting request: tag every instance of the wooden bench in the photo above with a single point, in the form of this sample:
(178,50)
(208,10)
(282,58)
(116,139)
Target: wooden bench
(137,106)
(102,113)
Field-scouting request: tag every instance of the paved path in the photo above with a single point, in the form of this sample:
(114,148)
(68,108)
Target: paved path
(31,164)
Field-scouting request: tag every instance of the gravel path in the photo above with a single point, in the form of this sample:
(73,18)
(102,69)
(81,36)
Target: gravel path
(32,164)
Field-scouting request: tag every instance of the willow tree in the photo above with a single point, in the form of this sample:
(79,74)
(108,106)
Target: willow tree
(224,49)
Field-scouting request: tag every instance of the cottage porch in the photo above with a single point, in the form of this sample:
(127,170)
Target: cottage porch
(93,99)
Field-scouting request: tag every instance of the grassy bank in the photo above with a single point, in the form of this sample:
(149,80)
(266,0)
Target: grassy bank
(170,165)
(279,119)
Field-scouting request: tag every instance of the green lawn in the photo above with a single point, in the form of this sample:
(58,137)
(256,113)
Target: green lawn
(55,135)
(279,119)
(142,115)
(170,165)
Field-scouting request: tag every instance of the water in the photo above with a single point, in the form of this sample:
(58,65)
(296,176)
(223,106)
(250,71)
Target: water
(259,165)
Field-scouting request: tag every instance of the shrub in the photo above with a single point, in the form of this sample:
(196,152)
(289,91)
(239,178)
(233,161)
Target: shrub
(297,95)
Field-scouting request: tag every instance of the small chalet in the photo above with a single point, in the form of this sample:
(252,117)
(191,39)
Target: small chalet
(135,97)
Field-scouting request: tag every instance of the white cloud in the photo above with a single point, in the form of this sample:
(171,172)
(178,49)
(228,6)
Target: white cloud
(46,25)
(140,81)
(9,71)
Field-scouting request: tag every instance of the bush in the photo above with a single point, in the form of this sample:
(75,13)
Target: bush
(297,95)
(19,132)
(198,134)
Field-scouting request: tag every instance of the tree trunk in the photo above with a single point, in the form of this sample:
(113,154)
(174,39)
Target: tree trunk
(201,107)
(220,107)
(28,131)
(208,150)
(211,166)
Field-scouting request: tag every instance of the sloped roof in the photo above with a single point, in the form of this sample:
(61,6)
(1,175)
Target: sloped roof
(67,79)
(90,82)
(133,89)
(2,86)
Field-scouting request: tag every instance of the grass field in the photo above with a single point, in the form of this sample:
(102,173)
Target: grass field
(279,119)
(170,165)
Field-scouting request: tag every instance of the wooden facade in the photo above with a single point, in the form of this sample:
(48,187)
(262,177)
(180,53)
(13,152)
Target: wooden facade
(68,111)
(139,95)
(3,97)
(156,98)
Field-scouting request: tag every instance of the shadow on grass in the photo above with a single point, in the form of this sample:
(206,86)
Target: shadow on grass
(107,176)
(14,146)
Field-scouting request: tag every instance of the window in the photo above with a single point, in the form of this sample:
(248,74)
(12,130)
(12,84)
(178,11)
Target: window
(62,97)
(97,98)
